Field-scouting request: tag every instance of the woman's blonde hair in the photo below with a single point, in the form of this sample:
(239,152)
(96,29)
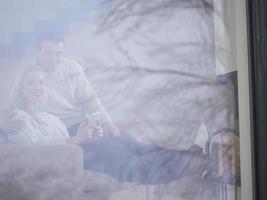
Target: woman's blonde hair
(15,100)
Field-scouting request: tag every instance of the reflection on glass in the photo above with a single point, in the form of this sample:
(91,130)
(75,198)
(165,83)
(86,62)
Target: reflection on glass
(130,99)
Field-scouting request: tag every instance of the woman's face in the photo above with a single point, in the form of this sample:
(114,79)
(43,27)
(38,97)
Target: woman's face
(32,87)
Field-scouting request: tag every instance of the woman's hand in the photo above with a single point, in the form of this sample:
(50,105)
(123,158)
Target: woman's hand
(10,124)
(98,131)
(85,133)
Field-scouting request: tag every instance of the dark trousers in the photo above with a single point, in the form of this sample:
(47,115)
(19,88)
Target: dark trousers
(126,159)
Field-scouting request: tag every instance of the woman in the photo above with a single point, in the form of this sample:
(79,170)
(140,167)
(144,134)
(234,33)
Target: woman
(27,103)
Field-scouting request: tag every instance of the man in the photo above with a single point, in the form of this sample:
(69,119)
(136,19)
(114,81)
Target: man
(72,99)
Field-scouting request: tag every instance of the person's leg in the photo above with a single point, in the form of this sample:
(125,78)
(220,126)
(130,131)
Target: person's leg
(109,155)
(156,165)
(128,160)
(105,154)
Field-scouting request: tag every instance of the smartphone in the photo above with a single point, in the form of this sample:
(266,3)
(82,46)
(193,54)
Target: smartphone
(94,119)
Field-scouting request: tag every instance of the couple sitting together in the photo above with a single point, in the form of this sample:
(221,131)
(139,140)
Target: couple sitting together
(50,104)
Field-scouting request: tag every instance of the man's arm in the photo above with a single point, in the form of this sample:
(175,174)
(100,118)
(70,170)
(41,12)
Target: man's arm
(90,102)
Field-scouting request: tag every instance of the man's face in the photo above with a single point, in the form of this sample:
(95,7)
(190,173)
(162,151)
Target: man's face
(49,55)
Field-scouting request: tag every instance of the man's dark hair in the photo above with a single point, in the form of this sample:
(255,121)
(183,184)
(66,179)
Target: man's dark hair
(50,37)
